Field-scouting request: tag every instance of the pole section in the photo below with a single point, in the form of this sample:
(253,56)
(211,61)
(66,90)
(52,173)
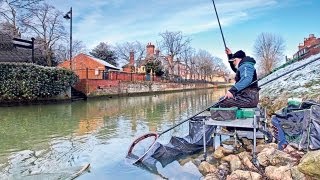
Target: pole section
(215,9)
(71,38)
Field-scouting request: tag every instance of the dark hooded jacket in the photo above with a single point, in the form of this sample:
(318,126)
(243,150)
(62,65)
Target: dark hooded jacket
(245,75)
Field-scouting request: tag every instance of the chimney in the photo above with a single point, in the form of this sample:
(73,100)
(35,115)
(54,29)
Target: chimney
(311,35)
(150,49)
(131,59)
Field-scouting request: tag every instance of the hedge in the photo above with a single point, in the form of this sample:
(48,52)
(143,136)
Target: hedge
(27,82)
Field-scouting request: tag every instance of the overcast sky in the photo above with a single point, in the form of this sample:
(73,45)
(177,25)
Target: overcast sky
(117,21)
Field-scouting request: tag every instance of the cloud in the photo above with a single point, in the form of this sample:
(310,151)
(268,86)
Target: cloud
(123,20)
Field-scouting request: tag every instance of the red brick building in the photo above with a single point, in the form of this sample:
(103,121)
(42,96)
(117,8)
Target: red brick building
(89,67)
(173,66)
(309,47)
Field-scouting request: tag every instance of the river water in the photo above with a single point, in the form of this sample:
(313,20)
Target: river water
(55,141)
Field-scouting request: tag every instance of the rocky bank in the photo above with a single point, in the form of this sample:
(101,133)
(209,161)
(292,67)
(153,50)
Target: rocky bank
(271,163)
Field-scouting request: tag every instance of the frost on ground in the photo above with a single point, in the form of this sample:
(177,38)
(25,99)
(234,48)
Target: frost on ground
(302,83)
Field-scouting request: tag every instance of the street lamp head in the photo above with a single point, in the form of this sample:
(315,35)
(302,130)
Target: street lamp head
(67,16)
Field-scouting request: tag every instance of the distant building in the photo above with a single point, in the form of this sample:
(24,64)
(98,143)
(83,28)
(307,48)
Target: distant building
(173,67)
(89,67)
(309,47)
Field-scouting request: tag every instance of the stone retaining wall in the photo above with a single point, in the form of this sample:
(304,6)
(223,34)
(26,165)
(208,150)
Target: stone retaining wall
(93,88)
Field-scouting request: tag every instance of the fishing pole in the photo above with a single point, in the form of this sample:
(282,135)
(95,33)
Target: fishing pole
(215,9)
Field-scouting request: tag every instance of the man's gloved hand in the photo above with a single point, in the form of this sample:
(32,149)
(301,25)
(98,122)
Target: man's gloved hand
(228,51)
(228,95)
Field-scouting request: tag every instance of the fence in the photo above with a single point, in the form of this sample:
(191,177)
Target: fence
(115,75)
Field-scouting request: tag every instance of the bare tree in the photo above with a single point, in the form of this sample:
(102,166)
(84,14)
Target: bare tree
(219,67)
(268,49)
(187,57)
(204,64)
(173,43)
(14,11)
(46,23)
(207,65)
(62,52)
(123,51)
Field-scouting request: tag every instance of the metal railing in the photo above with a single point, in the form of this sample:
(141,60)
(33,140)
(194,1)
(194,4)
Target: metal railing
(96,74)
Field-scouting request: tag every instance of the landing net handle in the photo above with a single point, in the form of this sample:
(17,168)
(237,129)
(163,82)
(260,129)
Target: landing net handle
(140,138)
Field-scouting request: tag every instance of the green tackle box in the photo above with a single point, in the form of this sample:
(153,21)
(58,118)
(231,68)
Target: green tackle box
(294,101)
(244,113)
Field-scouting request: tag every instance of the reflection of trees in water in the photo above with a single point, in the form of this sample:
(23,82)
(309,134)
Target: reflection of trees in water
(29,126)
(148,110)
(64,131)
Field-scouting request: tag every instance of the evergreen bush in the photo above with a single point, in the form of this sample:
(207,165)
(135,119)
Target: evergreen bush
(27,82)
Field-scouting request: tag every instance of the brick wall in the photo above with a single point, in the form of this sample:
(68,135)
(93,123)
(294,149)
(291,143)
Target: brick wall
(123,76)
(116,87)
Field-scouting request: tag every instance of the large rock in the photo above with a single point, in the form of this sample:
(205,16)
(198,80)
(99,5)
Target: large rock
(206,168)
(220,152)
(248,144)
(212,176)
(234,161)
(246,159)
(261,147)
(224,166)
(244,154)
(278,173)
(248,164)
(274,157)
(310,164)
(240,174)
(296,174)
(293,152)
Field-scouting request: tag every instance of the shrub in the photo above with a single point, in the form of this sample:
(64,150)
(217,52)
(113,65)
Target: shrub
(24,82)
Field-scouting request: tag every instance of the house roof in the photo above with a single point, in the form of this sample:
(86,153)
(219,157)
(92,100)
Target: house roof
(103,62)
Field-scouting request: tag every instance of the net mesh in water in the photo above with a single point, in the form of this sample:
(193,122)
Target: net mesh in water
(177,147)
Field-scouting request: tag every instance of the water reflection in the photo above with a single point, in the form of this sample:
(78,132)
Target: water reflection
(54,141)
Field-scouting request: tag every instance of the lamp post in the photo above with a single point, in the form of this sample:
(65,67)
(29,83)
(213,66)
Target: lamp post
(68,16)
